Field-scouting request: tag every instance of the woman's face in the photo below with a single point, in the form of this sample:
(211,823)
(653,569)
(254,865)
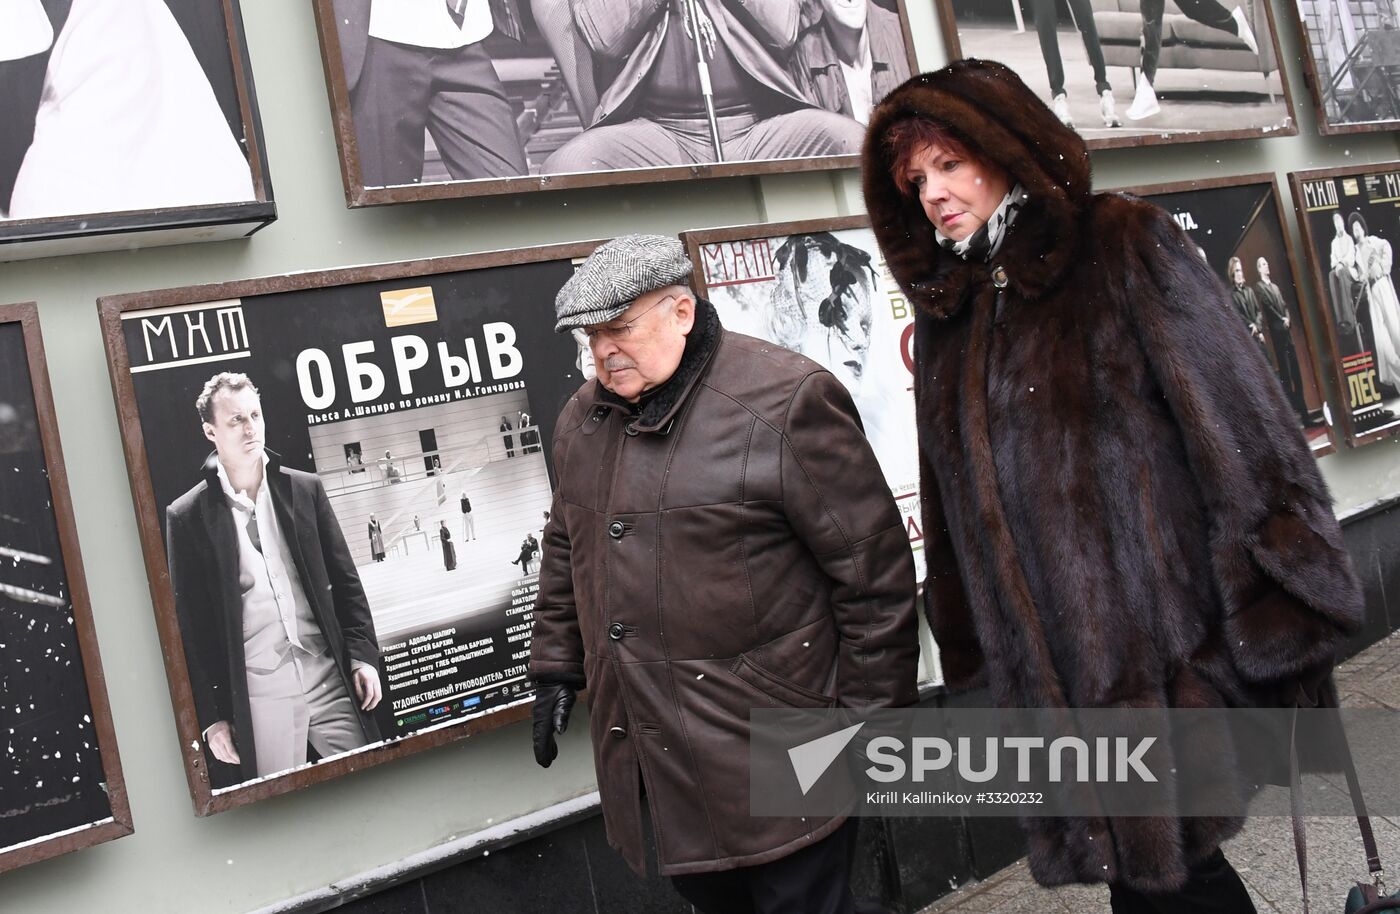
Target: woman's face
(958,193)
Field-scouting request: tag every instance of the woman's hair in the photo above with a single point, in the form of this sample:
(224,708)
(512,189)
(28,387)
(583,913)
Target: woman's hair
(912,135)
(1353,219)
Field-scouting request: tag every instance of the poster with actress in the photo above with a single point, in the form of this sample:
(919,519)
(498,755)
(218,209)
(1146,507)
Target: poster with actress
(343,478)
(1236,225)
(1351,221)
(821,288)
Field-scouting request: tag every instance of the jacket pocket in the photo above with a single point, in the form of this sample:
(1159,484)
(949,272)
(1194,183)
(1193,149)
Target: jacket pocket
(776,687)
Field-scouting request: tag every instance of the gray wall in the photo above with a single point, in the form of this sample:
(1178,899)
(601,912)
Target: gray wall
(241,860)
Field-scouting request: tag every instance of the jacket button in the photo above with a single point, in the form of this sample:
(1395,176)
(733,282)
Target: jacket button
(999,277)
(618,732)
(615,631)
(631,431)
(615,529)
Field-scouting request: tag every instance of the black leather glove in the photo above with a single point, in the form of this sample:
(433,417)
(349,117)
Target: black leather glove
(554,701)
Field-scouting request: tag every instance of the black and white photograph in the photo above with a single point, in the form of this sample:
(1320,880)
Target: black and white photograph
(1352,58)
(1136,72)
(346,479)
(821,287)
(1237,227)
(61,784)
(449,98)
(128,119)
(1351,222)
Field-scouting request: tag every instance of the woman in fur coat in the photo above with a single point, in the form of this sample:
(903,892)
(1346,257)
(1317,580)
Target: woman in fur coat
(1119,510)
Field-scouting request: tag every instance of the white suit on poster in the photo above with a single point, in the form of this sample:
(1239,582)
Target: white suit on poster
(127,119)
(1373,258)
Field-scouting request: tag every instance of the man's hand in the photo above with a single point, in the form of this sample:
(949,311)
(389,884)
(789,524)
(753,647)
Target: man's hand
(554,701)
(367,688)
(219,738)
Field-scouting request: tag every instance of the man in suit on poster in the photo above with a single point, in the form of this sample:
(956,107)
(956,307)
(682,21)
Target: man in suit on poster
(850,54)
(1275,313)
(277,630)
(415,65)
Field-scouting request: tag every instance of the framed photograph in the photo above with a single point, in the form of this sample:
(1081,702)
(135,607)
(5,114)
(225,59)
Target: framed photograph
(341,479)
(821,287)
(61,786)
(127,124)
(1351,220)
(1136,72)
(1237,225)
(1350,56)
(467,97)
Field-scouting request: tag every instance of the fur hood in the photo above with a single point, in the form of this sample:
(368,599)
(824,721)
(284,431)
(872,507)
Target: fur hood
(1024,139)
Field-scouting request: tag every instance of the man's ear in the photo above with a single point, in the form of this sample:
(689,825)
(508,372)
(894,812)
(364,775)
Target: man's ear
(685,312)
(208,431)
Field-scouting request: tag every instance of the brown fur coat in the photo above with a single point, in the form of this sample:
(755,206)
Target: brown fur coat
(1119,509)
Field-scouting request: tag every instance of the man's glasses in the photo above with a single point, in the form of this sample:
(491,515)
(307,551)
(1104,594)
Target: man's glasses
(623,330)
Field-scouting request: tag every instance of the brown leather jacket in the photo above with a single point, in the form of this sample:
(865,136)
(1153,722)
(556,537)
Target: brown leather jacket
(733,546)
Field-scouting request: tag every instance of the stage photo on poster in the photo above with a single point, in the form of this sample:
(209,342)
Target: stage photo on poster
(126,123)
(1136,72)
(61,784)
(1351,222)
(1236,225)
(821,288)
(451,98)
(346,475)
(1351,56)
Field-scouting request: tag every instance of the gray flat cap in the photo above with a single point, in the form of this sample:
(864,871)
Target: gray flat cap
(615,274)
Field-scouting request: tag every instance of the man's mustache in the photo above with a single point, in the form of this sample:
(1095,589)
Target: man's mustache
(615,363)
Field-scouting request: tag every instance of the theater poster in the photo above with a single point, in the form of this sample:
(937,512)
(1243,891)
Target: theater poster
(127,124)
(470,97)
(1351,221)
(1237,226)
(61,786)
(342,480)
(821,288)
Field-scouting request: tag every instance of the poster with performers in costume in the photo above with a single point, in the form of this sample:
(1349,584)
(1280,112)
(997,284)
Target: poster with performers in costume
(1236,225)
(1351,221)
(342,480)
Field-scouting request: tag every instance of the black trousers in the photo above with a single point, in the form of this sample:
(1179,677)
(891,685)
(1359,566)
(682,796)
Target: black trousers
(1212,888)
(1046,21)
(454,94)
(1206,12)
(814,880)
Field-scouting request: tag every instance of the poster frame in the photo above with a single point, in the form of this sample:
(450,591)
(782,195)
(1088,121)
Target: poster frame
(358,195)
(1310,79)
(23,239)
(949,26)
(1299,282)
(119,824)
(1319,289)
(150,516)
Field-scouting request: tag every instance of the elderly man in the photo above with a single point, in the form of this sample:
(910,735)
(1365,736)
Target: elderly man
(721,539)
